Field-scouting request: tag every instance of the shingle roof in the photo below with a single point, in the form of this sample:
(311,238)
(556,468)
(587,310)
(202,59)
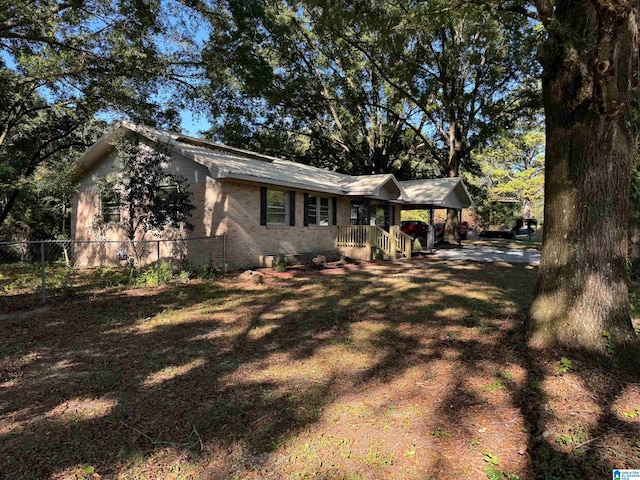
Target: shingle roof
(444,192)
(229,162)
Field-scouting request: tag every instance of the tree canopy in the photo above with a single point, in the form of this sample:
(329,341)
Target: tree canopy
(140,184)
(366,87)
(62,63)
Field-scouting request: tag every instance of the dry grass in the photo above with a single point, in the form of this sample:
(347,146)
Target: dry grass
(390,371)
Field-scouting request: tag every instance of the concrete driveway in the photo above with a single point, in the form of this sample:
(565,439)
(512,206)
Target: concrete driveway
(483,253)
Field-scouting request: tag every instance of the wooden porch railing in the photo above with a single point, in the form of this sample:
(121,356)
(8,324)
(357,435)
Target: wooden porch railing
(370,236)
(353,236)
(384,241)
(404,242)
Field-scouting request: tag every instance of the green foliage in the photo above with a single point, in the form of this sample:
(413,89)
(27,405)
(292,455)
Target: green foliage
(420,215)
(62,63)
(280,263)
(210,272)
(609,345)
(566,365)
(498,384)
(367,89)
(488,457)
(492,472)
(575,440)
(512,170)
(551,465)
(137,182)
(439,432)
(155,275)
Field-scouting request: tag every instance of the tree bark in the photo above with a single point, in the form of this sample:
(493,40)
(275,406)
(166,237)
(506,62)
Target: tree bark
(451,229)
(589,72)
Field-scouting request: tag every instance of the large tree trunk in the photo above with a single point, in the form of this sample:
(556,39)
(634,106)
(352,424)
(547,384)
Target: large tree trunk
(451,229)
(589,70)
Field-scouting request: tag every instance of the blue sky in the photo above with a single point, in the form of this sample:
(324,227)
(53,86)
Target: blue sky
(193,124)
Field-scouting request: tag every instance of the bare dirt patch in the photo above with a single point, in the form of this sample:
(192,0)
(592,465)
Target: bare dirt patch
(414,370)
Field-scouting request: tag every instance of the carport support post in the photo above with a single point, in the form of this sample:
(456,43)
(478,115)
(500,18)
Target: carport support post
(432,231)
(44,282)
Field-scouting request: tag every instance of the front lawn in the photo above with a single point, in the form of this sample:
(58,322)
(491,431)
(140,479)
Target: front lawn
(385,371)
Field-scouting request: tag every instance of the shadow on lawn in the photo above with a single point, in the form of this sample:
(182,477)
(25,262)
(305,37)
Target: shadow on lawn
(108,381)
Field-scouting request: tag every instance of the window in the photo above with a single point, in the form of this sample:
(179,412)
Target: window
(109,207)
(166,191)
(276,207)
(318,211)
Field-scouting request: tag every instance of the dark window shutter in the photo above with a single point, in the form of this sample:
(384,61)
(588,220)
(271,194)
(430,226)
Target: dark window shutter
(393,214)
(334,213)
(263,205)
(292,207)
(306,209)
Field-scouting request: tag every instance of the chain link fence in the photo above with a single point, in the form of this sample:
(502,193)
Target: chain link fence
(35,272)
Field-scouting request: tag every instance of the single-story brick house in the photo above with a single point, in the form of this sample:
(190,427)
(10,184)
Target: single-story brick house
(262,205)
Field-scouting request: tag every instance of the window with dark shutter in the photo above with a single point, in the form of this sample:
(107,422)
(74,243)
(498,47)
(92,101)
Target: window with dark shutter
(306,209)
(334,213)
(263,205)
(292,208)
(277,207)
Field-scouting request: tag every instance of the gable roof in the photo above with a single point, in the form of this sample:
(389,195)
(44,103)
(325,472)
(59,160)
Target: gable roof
(223,161)
(438,192)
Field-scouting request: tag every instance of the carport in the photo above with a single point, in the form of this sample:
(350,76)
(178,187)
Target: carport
(433,194)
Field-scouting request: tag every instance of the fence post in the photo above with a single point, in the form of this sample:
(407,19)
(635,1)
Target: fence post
(158,260)
(224,251)
(44,281)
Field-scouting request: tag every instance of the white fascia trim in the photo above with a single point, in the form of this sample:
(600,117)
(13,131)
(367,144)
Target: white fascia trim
(98,150)
(390,176)
(462,203)
(403,194)
(471,202)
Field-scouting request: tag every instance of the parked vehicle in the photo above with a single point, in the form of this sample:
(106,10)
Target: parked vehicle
(414,228)
(463,229)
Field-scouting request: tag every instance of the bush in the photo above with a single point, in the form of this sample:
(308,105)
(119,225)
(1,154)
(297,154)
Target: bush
(155,275)
(280,263)
(207,272)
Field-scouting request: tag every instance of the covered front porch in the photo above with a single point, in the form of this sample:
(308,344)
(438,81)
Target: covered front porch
(363,242)
(376,223)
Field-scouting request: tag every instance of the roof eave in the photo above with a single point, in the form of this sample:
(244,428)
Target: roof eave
(98,150)
(280,183)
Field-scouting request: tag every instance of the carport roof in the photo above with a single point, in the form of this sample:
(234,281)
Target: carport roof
(438,193)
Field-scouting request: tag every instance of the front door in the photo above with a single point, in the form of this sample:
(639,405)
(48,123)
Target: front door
(360,211)
(366,211)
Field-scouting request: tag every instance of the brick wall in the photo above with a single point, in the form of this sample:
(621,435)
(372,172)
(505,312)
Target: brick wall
(249,242)
(109,240)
